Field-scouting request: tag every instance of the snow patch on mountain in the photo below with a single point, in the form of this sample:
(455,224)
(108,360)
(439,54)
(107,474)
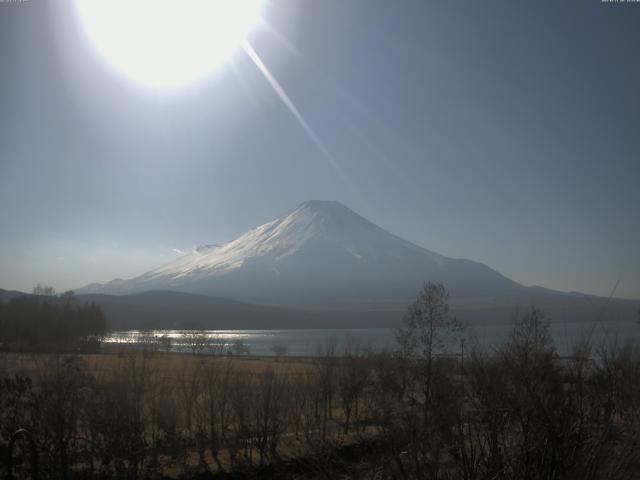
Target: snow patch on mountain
(319,246)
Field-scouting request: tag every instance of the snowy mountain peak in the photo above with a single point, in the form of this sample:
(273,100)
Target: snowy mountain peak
(327,208)
(311,224)
(328,218)
(324,205)
(320,246)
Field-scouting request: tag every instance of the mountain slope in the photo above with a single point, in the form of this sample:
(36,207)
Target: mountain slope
(320,252)
(322,255)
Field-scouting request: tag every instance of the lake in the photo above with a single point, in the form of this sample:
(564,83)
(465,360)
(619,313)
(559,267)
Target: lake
(309,342)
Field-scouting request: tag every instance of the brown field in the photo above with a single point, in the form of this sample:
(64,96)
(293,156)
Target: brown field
(171,364)
(520,412)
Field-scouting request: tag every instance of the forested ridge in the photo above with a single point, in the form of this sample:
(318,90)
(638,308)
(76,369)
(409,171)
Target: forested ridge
(46,320)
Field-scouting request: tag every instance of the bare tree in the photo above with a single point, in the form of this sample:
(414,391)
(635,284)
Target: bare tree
(279,350)
(425,331)
(216,345)
(197,340)
(165,342)
(44,291)
(353,377)
(238,347)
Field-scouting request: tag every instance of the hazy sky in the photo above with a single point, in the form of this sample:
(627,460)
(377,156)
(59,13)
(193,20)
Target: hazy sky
(507,132)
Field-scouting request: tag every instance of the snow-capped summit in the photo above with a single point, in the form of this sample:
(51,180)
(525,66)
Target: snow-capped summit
(320,253)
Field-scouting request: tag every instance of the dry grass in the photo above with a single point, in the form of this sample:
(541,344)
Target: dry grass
(171,364)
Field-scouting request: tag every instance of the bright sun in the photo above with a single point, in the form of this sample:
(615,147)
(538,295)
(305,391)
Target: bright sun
(168,43)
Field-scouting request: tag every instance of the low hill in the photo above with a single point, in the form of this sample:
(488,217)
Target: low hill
(6,295)
(178,310)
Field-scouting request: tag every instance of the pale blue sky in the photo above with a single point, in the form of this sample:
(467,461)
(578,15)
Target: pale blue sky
(504,132)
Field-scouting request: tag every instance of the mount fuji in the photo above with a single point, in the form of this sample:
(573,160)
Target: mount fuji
(323,255)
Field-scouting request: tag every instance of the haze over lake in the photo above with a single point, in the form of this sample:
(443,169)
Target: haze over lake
(314,342)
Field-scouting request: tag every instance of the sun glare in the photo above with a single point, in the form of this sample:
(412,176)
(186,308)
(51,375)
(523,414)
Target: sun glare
(168,43)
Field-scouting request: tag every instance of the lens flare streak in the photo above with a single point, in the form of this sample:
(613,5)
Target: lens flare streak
(293,109)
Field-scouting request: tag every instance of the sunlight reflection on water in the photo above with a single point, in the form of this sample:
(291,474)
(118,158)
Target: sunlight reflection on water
(309,342)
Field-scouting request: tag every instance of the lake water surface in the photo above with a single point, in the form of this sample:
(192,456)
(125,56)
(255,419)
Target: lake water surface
(309,342)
